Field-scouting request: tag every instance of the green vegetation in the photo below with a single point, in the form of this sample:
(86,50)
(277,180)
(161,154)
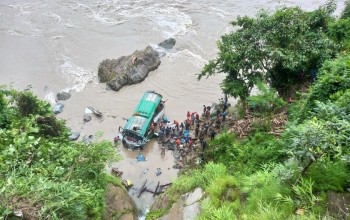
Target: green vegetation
(287,176)
(42,172)
(266,102)
(280,48)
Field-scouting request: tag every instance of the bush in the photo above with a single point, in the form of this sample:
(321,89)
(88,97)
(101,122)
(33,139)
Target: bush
(41,170)
(263,188)
(333,78)
(327,176)
(346,11)
(266,101)
(339,30)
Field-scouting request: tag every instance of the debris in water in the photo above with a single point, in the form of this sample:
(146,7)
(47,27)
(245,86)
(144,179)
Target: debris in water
(127,183)
(144,172)
(140,157)
(159,171)
(88,139)
(96,111)
(143,188)
(116,172)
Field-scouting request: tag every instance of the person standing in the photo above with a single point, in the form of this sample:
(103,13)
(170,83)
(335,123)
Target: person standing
(201,136)
(193,117)
(212,134)
(196,131)
(218,112)
(190,143)
(152,127)
(177,142)
(187,125)
(197,117)
(204,145)
(207,114)
(224,116)
(176,122)
(163,150)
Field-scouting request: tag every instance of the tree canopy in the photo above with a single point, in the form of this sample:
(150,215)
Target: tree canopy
(279,48)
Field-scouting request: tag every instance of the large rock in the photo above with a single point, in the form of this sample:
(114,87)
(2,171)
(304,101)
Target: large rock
(58,108)
(127,70)
(187,207)
(119,205)
(195,196)
(74,136)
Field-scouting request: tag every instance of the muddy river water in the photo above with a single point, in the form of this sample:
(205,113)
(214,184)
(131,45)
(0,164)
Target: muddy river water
(55,45)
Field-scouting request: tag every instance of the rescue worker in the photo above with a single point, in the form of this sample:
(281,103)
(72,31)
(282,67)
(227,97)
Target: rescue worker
(196,131)
(177,142)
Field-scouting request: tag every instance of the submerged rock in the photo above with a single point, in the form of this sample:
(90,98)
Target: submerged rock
(127,70)
(63,95)
(168,43)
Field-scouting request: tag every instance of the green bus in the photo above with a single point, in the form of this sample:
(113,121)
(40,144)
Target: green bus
(140,126)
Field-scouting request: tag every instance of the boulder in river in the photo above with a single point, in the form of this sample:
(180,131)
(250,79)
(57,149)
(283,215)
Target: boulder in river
(127,70)
(58,108)
(74,136)
(63,95)
(168,43)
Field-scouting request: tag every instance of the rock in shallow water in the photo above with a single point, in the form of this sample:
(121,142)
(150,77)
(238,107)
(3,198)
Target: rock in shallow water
(74,136)
(58,108)
(87,118)
(63,95)
(168,43)
(127,70)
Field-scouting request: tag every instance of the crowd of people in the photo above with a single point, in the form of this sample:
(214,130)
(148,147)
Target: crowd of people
(196,128)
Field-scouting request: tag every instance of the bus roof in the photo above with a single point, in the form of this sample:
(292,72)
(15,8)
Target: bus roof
(144,112)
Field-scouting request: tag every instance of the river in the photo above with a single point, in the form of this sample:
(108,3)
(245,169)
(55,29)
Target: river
(55,45)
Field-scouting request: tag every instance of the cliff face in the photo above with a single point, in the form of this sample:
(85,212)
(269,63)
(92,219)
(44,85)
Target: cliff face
(119,205)
(187,207)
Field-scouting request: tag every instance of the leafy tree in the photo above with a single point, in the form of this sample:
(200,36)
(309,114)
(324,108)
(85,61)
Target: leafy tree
(321,124)
(316,140)
(280,48)
(339,31)
(346,11)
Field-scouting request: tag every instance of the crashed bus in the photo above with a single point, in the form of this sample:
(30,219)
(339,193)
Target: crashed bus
(140,126)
